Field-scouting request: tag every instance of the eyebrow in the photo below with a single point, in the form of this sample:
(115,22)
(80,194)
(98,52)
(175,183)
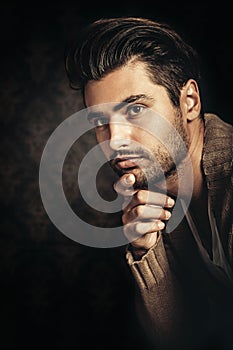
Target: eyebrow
(130,99)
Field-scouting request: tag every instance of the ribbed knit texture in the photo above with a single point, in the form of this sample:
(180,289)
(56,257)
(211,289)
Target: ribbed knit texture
(161,294)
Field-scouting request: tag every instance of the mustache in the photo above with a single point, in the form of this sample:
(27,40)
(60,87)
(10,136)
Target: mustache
(139,151)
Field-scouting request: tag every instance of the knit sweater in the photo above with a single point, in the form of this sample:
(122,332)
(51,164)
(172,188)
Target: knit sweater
(180,296)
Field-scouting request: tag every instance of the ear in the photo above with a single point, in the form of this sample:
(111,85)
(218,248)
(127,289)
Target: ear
(190,101)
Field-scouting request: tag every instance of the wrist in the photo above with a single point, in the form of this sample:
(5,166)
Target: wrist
(139,251)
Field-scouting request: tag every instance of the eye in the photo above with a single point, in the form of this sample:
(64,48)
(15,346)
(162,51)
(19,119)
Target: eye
(134,110)
(99,121)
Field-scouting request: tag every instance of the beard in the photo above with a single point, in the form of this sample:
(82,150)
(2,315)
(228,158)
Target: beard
(161,162)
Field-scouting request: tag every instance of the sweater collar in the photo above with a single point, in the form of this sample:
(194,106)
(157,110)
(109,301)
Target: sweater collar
(217,149)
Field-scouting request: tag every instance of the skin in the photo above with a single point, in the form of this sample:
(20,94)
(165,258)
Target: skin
(124,127)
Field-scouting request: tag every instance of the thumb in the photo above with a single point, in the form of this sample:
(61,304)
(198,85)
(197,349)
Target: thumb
(124,185)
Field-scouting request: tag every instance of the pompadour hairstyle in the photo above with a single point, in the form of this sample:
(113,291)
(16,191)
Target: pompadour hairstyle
(108,44)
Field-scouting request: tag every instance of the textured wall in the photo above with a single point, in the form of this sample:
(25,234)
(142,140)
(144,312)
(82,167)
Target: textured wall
(53,290)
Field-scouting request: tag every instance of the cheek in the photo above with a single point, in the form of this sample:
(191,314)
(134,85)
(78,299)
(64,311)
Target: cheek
(102,133)
(150,144)
(103,140)
(144,139)
(146,136)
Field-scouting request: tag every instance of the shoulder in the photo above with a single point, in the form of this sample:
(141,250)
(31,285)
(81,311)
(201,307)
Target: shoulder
(217,166)
(217,149)
(216,126)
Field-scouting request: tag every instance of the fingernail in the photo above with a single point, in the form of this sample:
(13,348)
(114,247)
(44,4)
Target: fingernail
(161,225)
(129,179)
(170,202)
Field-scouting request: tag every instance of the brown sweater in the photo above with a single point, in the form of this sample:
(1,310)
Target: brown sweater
(181,296)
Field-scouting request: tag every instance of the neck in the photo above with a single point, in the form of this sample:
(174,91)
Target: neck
(187,171)
(195,152)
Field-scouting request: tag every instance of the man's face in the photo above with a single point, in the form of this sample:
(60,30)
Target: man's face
(132,116)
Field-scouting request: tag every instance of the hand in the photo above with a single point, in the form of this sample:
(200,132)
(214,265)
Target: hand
(143,217)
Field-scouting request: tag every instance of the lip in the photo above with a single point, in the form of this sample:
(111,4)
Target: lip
(125,162)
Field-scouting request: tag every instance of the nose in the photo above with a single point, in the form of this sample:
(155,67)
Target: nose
(120,135)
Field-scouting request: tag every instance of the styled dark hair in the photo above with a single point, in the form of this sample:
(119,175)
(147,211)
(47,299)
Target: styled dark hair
(107,44)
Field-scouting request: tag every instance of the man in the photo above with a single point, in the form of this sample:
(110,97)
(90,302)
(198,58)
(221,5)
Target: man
(140,80)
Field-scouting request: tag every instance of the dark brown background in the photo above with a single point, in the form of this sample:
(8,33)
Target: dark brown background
(55,291)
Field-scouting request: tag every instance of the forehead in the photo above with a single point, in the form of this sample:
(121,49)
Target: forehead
(131,79)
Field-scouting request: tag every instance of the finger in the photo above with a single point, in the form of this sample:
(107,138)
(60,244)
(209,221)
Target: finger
(125,184)
(155,198)
(145,212)
(146,242)
(137,229)
(143,234)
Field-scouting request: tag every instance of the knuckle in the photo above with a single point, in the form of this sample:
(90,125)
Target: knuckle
(139,196)
(163,200)
(127,229)
(137,243)
(116,186)
(124,219)
(139,210)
